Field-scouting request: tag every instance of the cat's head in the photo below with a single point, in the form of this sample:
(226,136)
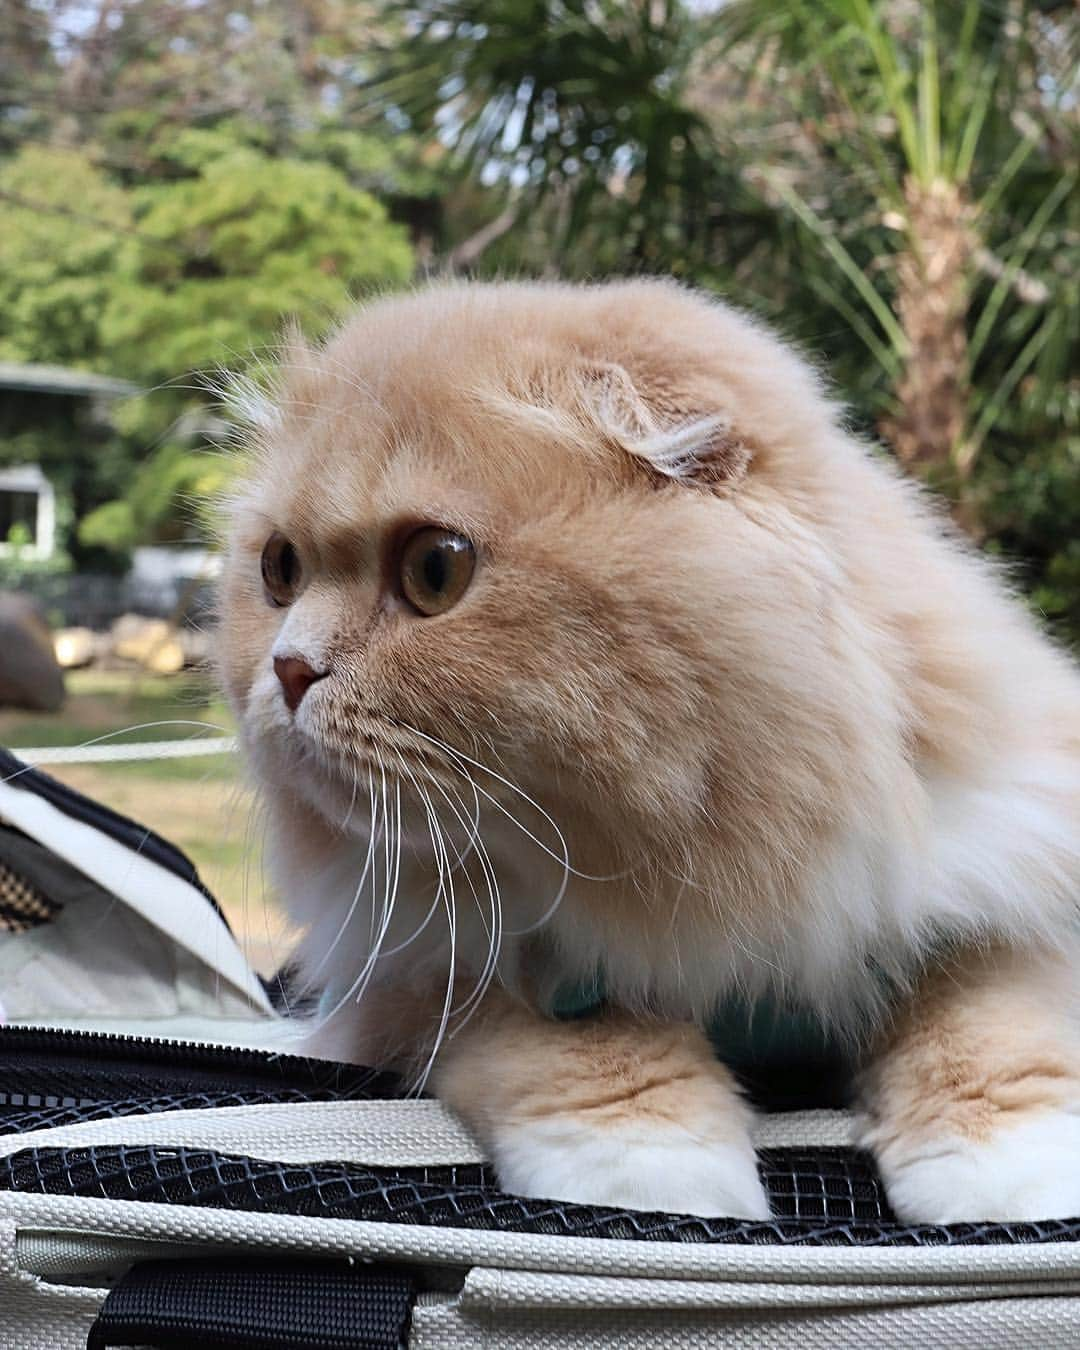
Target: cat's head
(563,533)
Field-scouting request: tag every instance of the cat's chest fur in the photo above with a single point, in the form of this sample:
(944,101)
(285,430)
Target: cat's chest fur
(864,919)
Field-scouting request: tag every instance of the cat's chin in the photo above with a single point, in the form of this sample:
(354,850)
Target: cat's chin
(337,795)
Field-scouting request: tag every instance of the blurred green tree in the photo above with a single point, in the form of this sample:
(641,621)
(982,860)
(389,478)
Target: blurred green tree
(62,230)
(164,284)
(222,256)
(180,176)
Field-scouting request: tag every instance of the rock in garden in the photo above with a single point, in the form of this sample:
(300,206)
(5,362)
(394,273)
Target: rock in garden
(75,646)
(151,642)
(30,676)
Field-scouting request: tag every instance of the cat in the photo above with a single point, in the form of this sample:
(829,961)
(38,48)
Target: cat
(586,663)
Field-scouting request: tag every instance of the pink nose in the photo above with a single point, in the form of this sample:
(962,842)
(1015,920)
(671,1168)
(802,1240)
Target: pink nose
(296,678)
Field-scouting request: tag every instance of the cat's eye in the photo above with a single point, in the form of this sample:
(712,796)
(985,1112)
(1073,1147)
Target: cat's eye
(436,568)
(280,570)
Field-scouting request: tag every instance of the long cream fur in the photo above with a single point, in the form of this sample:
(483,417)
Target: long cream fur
(725,707)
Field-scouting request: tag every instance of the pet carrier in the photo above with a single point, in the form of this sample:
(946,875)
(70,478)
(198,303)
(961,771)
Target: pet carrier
(165,1182)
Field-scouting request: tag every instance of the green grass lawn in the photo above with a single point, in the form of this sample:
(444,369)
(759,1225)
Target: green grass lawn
(200,803)
(125,706)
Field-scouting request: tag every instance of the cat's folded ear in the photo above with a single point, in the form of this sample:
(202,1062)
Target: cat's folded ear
(663,431)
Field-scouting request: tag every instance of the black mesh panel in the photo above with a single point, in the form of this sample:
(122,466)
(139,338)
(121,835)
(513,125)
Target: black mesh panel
(825,1197)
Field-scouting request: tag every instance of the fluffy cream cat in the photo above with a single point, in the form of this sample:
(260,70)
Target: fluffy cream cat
(576,646)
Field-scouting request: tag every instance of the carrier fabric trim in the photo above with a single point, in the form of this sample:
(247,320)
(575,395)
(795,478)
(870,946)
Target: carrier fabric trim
(89,812)
(144,873)
(820,1197)
(261,1303)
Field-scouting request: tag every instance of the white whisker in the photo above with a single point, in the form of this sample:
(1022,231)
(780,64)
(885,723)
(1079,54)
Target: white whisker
(352,800)
(563,859)
(355,992)
(451,920)
(494,929)
(433,826)
(386,854)
(368,861)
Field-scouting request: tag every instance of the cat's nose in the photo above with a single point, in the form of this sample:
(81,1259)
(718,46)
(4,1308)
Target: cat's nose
(296,678)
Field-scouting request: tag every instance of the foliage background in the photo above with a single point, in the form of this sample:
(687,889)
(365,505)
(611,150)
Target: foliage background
(891,182)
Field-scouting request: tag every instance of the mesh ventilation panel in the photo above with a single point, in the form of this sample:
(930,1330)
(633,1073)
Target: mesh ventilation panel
(820,1197)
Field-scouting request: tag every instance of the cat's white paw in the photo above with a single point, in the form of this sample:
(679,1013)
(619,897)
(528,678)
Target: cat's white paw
(645,1166)
(1028,1172)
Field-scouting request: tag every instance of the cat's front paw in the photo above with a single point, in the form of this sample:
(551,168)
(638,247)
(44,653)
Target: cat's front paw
(1028,1172)
(659,1166)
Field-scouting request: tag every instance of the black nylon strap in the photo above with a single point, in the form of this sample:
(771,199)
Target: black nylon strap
(257,1303)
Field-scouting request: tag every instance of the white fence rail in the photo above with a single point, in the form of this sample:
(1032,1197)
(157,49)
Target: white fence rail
(111,754)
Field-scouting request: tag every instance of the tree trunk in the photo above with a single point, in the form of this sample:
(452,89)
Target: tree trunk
(933,291)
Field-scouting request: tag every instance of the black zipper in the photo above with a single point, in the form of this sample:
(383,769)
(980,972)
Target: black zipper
(193,1055)
(50,1078)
